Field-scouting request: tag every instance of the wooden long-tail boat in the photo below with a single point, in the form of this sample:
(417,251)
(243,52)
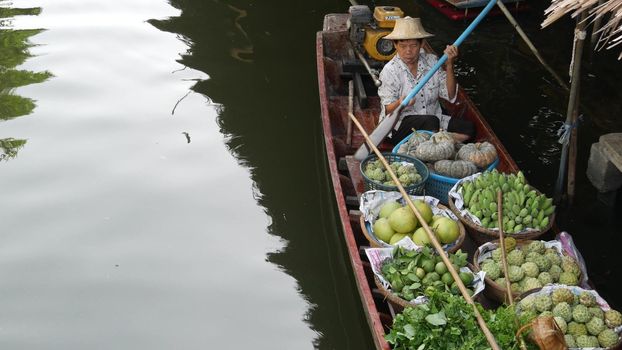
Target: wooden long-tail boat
(333,51)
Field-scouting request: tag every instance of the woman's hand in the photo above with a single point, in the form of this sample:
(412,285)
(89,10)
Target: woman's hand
(452,53)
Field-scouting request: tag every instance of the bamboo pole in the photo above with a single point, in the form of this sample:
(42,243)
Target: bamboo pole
(533,49)
(508,287)
(480,320)
(350,111)
(579,41)
(504,261)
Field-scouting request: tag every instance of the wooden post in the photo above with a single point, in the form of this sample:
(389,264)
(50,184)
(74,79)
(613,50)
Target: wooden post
(575,75)
(533,49)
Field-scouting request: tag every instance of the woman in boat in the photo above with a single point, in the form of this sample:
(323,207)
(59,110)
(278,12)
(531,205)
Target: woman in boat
(400,75)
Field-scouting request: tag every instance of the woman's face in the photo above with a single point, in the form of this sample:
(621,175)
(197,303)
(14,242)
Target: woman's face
(408,49)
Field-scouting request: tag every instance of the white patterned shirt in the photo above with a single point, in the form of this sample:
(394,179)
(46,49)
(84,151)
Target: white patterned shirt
(397,81)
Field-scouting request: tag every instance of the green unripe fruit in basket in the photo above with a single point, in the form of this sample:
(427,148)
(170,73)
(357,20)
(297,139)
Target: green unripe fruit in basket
(570,341)
(383,230)
(440,268)
(387,208)
(397,237)
(608,338)
(587,341)
(561,323)
(576,329)
(420,237)
(613,318)
(403,220)
(466,277)
(446,229)
(581,314)
(588,299)
(595,325)
(563,310)
(424,209)
(530,269)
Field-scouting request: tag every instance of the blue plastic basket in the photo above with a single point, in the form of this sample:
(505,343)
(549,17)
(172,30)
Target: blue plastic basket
(414,189)
(438,185)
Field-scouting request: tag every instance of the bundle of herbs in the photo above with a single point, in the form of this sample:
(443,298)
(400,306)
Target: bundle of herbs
(446,321)
(409,272)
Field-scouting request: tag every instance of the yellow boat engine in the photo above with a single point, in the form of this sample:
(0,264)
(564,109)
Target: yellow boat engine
(367,31)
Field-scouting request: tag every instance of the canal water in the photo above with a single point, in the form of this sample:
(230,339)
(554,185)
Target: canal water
(163,180)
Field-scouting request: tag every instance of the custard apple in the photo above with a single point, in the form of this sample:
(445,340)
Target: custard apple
(516,257)
(597,312)
(528,303)
(562,294)
(569,265)
(595,326)
(545,278)
(588,299)
(587,341)
(608,338)
(492,270)
(613,318)
(553,257)
(531,283)
(536,246)
(581,314)
(568,278)
(515,273)
(543,263)
(543,302)
(561,323)
(496,254)
(576,329)
(555,271)
(530,269)
(563,310)
(570,341)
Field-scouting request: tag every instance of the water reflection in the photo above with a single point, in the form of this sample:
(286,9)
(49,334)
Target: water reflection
(262,73)
(14,51)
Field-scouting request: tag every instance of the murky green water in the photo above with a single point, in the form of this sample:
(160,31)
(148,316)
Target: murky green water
(164,182)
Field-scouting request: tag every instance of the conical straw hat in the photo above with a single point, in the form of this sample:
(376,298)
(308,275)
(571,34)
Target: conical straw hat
(408,28)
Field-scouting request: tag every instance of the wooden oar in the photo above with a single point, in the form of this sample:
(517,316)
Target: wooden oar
(387,123)
(437,246)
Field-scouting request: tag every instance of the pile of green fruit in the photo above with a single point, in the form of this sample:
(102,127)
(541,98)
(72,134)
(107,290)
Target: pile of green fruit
(409,272)
(523,207)
(583,322)
(395,222)
(406,173)
(531,266)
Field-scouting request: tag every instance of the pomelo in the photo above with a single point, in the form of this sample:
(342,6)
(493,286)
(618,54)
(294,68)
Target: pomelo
(403,220)
(424,210)
(382,230)
(446,229)
(387,208)
(397,237)
(421,238)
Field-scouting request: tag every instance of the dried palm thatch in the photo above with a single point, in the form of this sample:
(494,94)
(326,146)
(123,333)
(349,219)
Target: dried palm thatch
(610,34)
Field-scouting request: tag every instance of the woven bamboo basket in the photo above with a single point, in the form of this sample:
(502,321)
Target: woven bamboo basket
(482,235)
(374,242)
(493,290)
(396,301)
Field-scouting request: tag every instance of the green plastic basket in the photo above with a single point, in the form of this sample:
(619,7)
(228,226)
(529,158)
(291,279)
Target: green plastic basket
(414,189)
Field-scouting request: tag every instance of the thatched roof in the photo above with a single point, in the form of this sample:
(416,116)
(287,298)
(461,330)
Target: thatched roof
(609,11)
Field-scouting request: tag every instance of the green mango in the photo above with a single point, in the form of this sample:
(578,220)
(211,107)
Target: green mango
(518,228)
(544,222)
(523,212)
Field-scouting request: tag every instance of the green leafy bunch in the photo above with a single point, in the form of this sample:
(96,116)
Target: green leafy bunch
(446,321)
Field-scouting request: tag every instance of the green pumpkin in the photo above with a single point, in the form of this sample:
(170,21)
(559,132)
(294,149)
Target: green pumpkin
(409,146)
(480,153)
(455,168)
(432,151)
(443,136)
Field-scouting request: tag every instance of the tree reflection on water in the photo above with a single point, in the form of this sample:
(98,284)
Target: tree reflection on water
(260,59)
(14,51)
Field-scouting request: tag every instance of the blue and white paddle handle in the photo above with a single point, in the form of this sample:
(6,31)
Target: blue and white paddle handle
(387,123)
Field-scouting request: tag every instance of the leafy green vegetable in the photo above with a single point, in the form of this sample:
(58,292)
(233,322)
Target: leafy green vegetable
(448,322)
